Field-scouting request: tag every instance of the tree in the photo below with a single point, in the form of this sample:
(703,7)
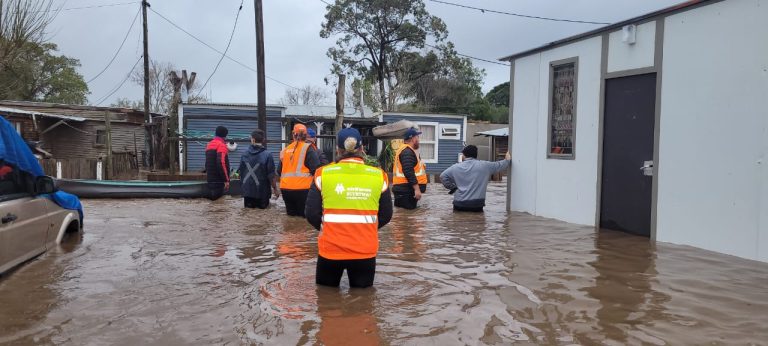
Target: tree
(306,95)
(499,95)
(29,66)
(38,74)
(376,36)
(22,25)
(160,88)
(451,83)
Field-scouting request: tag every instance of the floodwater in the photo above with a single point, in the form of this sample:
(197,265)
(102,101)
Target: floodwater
(174,272)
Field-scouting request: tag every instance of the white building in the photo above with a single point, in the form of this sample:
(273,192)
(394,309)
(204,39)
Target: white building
(682,92)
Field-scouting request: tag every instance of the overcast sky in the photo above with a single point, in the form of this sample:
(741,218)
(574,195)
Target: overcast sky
(295,53)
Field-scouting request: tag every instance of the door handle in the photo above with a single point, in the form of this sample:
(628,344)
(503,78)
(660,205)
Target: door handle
(647,168)
(9,218)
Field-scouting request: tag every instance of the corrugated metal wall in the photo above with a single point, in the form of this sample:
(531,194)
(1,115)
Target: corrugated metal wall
(447,149)
(217,116)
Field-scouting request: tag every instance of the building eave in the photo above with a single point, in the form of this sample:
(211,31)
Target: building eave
(685,6)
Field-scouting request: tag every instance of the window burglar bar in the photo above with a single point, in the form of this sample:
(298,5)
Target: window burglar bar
(561,118)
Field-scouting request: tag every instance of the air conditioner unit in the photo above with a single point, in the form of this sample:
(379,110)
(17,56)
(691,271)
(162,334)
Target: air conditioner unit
(450,132)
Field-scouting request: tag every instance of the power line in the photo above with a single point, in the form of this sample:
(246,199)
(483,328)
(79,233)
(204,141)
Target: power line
(216,50)
(87,7)
(472,57)
(114,90)
(484,10)
(231,35)
(118,49)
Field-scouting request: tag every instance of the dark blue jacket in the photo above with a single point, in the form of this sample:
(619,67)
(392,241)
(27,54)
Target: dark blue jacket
(257,179)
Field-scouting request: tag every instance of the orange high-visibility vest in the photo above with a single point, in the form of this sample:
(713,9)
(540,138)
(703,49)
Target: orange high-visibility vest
(295,175)
(420,169)
(350,191)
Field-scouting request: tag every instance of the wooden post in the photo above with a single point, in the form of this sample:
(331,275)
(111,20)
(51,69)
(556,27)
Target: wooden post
(260,79)
(340,104)
(149,141)
(176,82)
(108,170)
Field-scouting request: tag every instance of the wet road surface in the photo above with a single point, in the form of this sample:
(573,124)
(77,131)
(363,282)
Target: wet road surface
(197,272)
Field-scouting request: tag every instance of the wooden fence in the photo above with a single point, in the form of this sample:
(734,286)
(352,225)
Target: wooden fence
(125,166)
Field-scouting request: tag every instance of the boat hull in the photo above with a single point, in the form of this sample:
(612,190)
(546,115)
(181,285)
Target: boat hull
(139,189)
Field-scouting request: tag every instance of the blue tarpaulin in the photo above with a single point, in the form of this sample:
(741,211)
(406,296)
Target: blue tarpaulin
(14,151)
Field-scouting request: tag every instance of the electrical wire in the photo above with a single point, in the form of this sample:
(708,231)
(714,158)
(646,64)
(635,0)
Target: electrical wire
(115,89)
(231,35)
(87,7)
(472,57)
(118,49)
(484,10)
(216,50)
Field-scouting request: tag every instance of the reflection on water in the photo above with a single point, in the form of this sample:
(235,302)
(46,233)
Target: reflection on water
(198,272)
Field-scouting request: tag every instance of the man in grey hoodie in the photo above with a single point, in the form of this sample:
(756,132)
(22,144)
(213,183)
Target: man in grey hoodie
(469,179)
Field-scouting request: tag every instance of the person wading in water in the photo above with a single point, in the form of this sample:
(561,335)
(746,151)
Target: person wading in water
(410,179)
(469,179)
(298,162)
(257,171)
(348,202)
(217,164)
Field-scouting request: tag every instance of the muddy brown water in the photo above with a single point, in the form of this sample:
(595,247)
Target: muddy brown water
(196,272)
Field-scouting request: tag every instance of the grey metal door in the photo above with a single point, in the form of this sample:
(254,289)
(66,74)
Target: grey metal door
(627,179)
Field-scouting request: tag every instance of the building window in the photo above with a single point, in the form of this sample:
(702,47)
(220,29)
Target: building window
(450,131)
(101,138)
(562,109)
(428,141)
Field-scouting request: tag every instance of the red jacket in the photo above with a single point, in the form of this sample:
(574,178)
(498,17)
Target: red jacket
(217,161)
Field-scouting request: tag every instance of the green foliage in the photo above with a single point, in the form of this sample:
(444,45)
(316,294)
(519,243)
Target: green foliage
(39,74)
(375,37)
(387,157)
(371,160)
(499,95)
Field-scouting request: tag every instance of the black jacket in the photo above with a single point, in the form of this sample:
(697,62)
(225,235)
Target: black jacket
(314,208)
(262,167)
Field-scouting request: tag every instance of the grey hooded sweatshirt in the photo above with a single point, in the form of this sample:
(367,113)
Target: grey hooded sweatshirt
(470,179)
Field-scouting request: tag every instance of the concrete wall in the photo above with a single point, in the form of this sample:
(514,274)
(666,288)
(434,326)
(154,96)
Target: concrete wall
(483,143)
(713,150)
(560,189)
(622,56)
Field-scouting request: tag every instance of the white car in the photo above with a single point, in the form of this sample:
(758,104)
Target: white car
(31,222)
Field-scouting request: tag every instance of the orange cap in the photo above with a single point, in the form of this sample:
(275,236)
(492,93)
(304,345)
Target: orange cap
(299,128)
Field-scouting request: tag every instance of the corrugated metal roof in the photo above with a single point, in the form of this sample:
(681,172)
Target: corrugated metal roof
(91,113)
(666,11)
(43,115)
(229,104)
(327,111)
(502,132)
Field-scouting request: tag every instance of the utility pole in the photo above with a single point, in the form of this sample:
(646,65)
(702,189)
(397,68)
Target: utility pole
(261,82)
(149,139)
(109,170)
(340,104)
(173,119)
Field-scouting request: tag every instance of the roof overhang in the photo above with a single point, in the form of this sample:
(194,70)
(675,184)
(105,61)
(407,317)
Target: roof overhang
(688,5)
(31,114)
(502,132)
